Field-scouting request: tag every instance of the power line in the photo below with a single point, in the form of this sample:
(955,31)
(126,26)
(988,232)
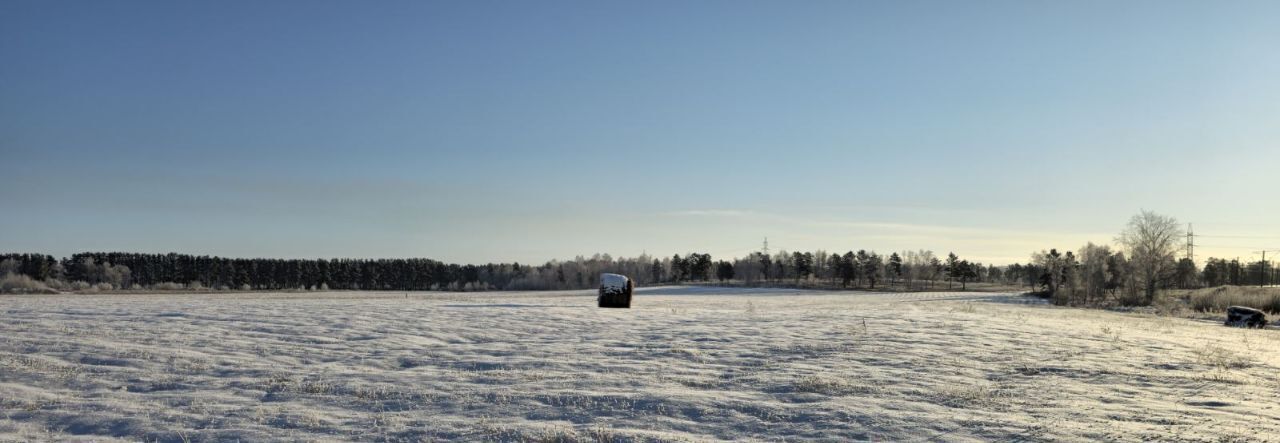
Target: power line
(1191,235)
(1262,272)
(1232,247)
(1247,237)
(1191,244)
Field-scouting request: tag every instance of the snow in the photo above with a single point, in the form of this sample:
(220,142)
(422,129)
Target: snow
(685,363)
(615,282)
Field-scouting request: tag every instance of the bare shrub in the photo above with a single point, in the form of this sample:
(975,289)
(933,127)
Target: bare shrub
(1171,307)
(22,284)
(168,286)
(1131,298)
(119,276)
(56,284)
(9,266)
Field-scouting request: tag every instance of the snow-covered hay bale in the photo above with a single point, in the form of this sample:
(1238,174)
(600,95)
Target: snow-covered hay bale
(1245,317)
(615,291)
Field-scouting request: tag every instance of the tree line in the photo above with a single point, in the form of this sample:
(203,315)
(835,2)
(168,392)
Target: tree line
(1147,262)
(122,270)
(172,271)
(862,269)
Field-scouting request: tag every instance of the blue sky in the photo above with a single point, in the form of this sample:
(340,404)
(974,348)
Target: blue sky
(497,131)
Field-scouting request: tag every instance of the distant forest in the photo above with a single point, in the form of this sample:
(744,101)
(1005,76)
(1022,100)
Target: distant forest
(1094,275)
(120,270)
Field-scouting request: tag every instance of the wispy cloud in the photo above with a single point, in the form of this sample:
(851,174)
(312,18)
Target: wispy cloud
(993,242)
(956,231)
(882,228)
(712,213)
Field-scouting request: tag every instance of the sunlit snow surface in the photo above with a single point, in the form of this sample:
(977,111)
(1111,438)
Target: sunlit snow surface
(685,363)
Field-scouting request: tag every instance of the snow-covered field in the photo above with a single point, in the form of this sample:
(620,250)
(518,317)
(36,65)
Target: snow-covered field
(683,364)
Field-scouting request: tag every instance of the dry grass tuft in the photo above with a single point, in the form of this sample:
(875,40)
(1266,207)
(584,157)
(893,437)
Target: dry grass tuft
(972,396)
(826,385)
(1219,298)
(1219,357)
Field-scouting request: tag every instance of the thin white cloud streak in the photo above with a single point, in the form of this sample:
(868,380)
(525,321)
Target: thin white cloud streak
(901,229)
(997,245)
(711,213)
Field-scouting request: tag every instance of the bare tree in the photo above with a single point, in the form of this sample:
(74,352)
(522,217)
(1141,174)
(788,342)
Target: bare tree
(1152,242)
(1093,271)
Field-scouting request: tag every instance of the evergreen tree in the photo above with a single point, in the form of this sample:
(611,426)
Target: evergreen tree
(679,268)
(766,265)
(848,266)
(724,270)
(872,268)
(803,264)
(895,267)
(952,269)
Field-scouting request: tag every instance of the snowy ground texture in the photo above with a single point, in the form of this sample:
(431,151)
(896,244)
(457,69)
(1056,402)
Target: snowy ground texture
(684,364)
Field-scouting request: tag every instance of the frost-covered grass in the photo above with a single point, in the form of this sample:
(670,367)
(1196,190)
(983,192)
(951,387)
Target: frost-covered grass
(683,364)
(1219,298)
